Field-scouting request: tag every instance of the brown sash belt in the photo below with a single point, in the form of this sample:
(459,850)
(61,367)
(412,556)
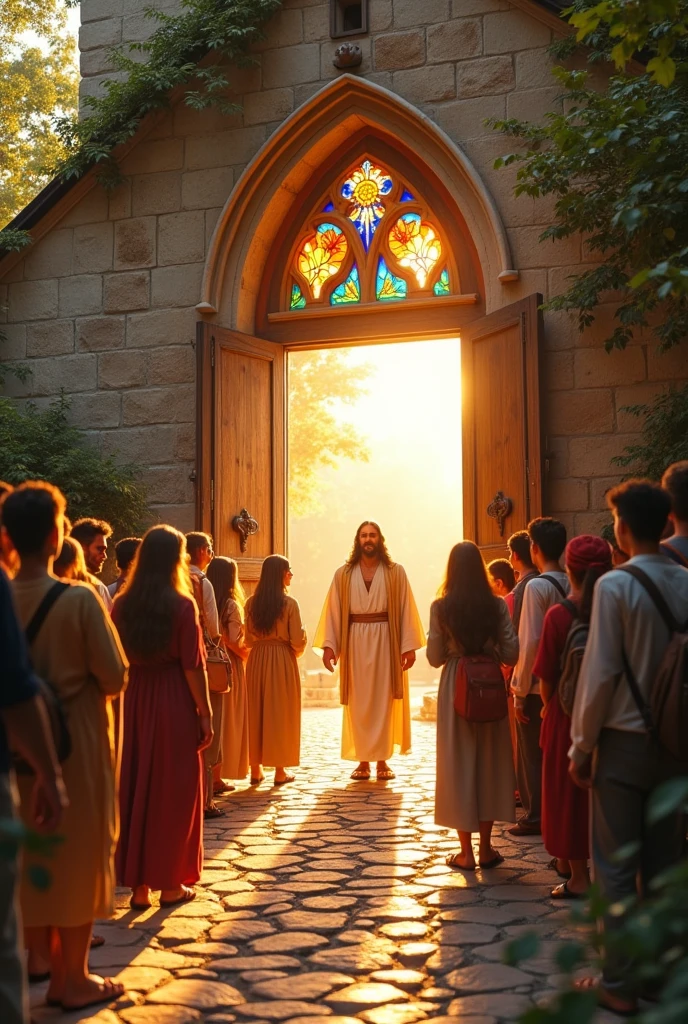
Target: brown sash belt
(370,617)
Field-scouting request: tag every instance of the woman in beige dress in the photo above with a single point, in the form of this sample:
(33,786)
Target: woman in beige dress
(475,769)
(77,650)
(275,638)
(229,596)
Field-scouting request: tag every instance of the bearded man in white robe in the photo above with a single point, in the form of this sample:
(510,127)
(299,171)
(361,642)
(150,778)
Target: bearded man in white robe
(371,626)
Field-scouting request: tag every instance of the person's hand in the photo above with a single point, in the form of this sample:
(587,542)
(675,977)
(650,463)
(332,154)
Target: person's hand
(329,659)
(408,660)
(519,713)
(205,731)
(49,802)
(581,774)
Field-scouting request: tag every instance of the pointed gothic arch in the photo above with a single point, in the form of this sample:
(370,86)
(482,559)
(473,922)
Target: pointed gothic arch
(269,197)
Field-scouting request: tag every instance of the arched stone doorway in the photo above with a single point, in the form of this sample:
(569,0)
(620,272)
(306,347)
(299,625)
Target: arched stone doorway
(250,323)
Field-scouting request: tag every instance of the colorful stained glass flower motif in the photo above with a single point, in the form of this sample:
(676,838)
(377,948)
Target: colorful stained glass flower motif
(365,190)
(347,291)
(387,284)
(297,299)
(442,284)
(416,245)
(321,256)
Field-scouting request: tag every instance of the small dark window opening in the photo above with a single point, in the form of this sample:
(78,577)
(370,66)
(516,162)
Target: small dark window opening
(348,17)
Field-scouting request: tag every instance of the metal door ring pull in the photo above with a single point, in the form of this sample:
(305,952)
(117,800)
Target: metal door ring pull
(245,525)
(500,508)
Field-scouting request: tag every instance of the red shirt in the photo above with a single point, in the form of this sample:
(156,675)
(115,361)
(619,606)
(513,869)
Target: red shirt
(555,629)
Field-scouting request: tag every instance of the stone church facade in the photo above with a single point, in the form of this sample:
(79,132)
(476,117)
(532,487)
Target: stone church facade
(105,304)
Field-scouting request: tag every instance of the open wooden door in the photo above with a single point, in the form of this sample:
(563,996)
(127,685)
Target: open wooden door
(241,457)
(501,424)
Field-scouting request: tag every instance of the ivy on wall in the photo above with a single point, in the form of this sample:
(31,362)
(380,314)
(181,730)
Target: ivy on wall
(172,59)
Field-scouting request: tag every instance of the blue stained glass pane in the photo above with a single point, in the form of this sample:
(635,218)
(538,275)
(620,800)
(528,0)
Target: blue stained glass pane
(347,291)
(328,207)
(442,286)
(388,285)
(297,300)
(407,197)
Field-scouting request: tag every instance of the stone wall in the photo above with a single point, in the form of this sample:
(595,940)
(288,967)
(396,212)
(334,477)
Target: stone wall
(103,305)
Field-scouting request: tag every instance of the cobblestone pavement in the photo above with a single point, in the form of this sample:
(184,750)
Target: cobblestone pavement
(331,899)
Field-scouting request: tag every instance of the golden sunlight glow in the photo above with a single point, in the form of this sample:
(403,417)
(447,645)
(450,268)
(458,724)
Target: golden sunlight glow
(407,418)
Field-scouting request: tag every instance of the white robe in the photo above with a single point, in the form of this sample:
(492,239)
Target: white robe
(374,725)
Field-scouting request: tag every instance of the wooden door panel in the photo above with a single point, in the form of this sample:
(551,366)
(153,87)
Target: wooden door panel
(241,448)
(501,426)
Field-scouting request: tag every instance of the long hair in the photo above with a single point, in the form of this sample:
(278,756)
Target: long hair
(224,576)
(70,564)
(468,608)
(357,551)
(586,580)
(267,604)
(148,603)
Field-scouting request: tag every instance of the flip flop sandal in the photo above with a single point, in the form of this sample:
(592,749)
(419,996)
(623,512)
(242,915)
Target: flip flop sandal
(360,776)
(213,812)
(97,941)
(139,906)
(487,864)
(552,865)
(283,782)
(451,861)
(385,776)
(115,991)
(562,892)
(187,896)
(224,788)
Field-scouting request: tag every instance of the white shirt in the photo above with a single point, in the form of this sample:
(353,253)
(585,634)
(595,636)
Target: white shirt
(624,617)
(539,595)
(103,592)
(212,620)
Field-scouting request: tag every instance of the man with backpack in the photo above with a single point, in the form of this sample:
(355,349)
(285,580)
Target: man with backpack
(631,711)
(547,543)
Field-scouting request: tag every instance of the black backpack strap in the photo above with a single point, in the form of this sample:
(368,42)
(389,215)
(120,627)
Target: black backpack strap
(568,604)
(554,581)
(41,613)
(656,594)
(672,552)
(640,702)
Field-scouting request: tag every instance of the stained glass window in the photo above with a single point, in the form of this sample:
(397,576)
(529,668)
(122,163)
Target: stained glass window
(387,284)
(365,190)
(322,255)
(347,291)
(328,207)
(416,245)
(442,285)
(407,197)
(297,300)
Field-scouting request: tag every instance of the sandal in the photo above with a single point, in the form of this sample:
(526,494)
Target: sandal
(186,897)
(284,781)
(385,775)
(361,775)
(223,787)
(257,782)
(553,866)
(97,941)
(493,863)
(594,984)
(213,811)
(562,892)
(452,860)
(139,906)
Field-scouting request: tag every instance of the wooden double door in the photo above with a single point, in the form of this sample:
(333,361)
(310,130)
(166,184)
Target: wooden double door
(242,435)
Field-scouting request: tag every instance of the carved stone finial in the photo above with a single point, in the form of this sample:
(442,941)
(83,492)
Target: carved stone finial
(348,55)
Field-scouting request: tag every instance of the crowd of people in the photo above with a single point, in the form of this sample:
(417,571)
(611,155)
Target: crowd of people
(544,700)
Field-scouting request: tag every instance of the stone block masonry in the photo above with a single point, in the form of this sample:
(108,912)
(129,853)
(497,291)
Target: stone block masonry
(103,306)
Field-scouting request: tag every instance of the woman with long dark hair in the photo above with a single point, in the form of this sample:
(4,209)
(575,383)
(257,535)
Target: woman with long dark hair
(167,723)
(475,769)
(229,596)
(565,818)
(275,638)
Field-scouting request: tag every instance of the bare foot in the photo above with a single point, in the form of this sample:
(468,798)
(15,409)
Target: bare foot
(282,776)
(140,898)
(89,991)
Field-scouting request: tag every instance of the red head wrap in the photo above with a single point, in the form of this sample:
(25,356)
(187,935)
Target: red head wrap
(588,552)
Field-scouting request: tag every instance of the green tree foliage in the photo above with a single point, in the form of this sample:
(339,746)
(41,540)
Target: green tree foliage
(652,937)
(176,57)
(615,162)
(38,78)
(664,435)
(318,383)
(42,445)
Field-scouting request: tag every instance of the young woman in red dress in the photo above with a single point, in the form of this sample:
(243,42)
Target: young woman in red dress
(167,723)
(565,805)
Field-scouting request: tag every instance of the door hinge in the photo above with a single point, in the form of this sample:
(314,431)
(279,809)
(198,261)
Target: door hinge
(212,495)
(212,351)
